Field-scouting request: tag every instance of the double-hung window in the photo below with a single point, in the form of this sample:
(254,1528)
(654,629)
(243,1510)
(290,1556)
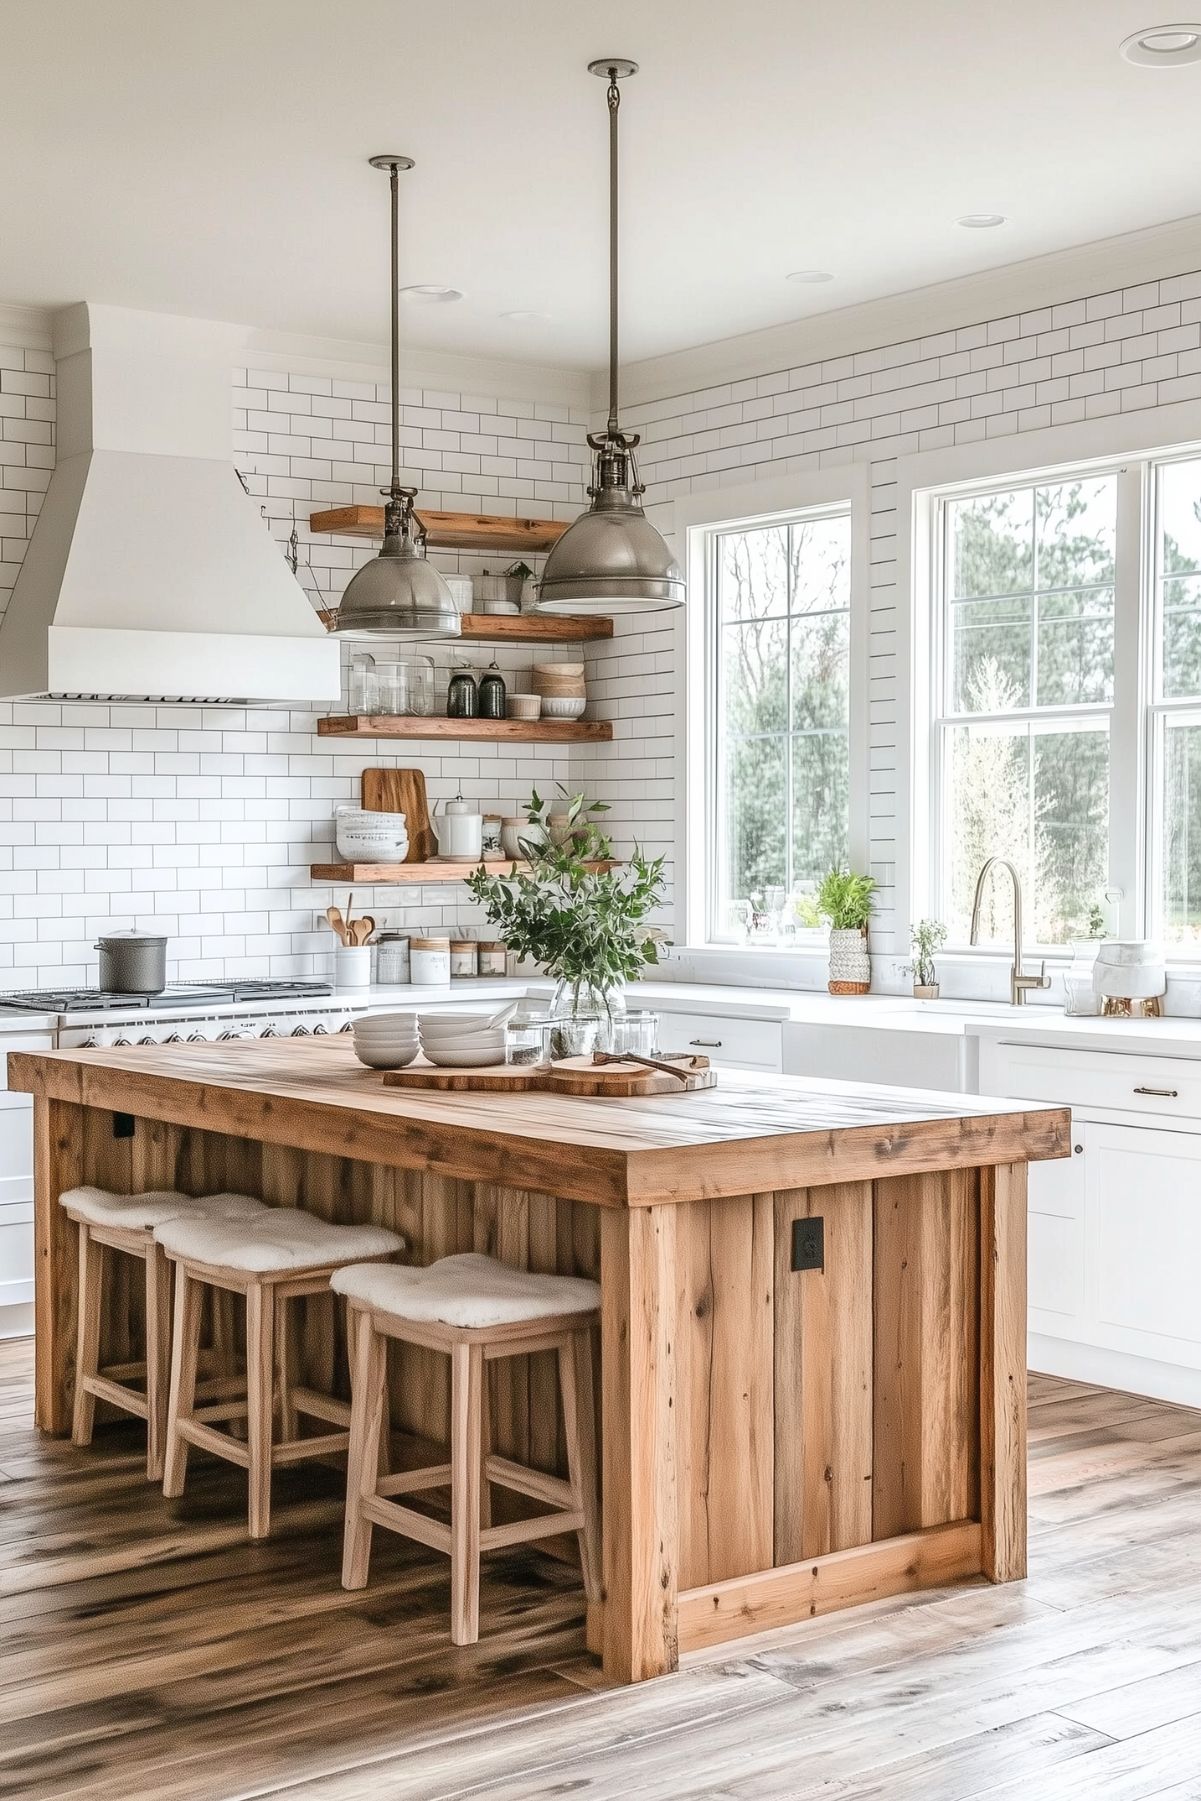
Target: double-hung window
(1066,716)
(779,600)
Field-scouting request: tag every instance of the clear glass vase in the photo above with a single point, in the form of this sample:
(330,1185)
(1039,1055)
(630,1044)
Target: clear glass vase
(583,1016)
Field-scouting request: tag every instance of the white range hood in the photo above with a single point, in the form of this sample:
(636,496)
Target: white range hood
(150,573)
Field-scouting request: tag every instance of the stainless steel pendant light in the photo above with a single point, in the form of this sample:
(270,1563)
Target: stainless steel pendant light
(398,594)
(611,559)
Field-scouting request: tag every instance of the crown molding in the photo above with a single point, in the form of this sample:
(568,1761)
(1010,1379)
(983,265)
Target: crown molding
(26,326)
(38,328)
(1062,275)
(351,360)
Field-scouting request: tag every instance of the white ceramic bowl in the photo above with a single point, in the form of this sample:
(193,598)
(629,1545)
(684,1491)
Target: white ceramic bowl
(556,706)
(387,1022)
(448,1057)
(525,706)
(376,1039)
(493,1047)
(379,1057)
(478,1041)
(454,1025)
(366,837)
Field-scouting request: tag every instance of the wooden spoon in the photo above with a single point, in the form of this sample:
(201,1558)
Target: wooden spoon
(668,1069)
(363,928)
(337,922)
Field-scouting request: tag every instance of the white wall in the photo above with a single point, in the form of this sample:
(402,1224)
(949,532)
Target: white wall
(202,823)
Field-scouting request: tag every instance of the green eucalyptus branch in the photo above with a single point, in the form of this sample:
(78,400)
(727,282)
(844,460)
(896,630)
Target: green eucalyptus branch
(579,924)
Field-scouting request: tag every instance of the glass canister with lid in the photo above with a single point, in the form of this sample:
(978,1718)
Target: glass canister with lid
(392,958)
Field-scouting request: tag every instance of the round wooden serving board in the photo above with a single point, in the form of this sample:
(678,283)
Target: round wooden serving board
(575,1075)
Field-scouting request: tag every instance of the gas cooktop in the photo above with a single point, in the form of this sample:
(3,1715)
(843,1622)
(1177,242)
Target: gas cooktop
(182,994)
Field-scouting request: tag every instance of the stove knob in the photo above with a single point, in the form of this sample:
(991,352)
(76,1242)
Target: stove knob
(319,1031)
(347,1026)
(89,1044)
(223,1036)
(300,1031)
(173,1039)
(268,1032)
(195,1037)
(148,1040)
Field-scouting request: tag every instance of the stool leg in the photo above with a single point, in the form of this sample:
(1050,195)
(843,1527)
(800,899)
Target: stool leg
(87,1337)
(286,1367)
(485,1448)
(158,1358)
(579,1420)
(260,1367)
(466,1383)
(368,1407)
(185,1354)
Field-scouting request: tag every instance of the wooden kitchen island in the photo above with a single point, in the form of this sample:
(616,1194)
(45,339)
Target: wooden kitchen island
(776,1442)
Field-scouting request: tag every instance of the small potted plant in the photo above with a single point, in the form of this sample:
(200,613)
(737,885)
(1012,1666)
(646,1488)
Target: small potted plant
(579,916)
(926,938)
(844,900)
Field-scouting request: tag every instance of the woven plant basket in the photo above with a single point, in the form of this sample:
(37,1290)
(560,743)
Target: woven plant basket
(850,965)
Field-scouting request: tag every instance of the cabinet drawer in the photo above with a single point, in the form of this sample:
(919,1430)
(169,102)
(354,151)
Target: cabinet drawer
(741,1043)
(1100,1079)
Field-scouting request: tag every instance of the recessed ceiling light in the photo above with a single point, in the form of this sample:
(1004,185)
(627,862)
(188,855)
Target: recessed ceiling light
(1163,46)
(525,314)
(810,276)
(430,293)
(980,221)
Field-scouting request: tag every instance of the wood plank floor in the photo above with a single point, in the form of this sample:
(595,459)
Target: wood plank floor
(146,1650)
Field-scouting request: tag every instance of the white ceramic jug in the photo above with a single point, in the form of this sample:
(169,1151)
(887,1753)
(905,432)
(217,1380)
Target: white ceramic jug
(460,831)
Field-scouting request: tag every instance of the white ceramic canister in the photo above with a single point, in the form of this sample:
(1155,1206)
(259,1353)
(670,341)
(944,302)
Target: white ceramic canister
(460,830)
(352,966)
(429,962)
(464,958)
(392,958)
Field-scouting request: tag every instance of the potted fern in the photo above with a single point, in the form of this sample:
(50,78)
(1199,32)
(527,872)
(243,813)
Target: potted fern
(579,916)
(926,938)
(844,900)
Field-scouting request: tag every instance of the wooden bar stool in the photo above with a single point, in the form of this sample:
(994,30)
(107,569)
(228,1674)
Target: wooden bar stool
(125,1223)
(279,1255)
(476,1310)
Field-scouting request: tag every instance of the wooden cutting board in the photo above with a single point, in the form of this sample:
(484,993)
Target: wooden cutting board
(576,1075)
(402,791)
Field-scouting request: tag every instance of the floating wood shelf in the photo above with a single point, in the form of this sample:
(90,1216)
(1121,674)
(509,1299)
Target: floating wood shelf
(435,869)
(448,531)
(510,731)
(516,628)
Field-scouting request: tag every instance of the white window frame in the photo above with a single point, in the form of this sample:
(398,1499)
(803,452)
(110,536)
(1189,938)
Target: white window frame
(923,481)
(698,518)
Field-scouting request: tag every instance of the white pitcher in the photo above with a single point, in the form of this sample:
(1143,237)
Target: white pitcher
(460,831)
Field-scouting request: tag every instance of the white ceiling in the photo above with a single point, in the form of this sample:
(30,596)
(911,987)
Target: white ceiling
(209,158)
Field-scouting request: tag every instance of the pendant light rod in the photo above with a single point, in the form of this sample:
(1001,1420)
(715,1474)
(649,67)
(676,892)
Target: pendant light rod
(394,165)
(613,69)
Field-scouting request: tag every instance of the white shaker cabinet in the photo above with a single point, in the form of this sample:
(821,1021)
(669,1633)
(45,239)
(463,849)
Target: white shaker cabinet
(1115,1229)
(16,1189)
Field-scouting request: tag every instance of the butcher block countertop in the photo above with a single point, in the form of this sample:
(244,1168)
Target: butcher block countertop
(750,1133)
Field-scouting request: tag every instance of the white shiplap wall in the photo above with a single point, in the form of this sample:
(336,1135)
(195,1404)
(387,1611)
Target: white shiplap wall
(1121,351)
(202,823)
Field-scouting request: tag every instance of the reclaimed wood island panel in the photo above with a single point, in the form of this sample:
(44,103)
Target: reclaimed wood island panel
(777,1442)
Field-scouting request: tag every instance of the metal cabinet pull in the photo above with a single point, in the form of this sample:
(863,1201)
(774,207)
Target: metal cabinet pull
(709,1044)
(1167,1094)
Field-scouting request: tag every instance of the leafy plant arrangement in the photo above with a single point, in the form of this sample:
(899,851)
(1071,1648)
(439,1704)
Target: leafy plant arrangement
(926,938)
(587,927)
(845,900)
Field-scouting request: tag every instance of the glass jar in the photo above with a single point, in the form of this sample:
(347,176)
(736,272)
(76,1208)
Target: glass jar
(392,957)
(526,1039)
(364,689)
(464,958)
(493,957)
(492,693)
(582,1000)
(462,696)
(636,1033)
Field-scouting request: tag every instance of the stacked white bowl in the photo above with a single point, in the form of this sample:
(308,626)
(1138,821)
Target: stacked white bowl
(462,1040)
(386,1040)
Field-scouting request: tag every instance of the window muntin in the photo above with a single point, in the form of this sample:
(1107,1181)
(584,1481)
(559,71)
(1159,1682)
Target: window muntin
(1175,712)
(780,702)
